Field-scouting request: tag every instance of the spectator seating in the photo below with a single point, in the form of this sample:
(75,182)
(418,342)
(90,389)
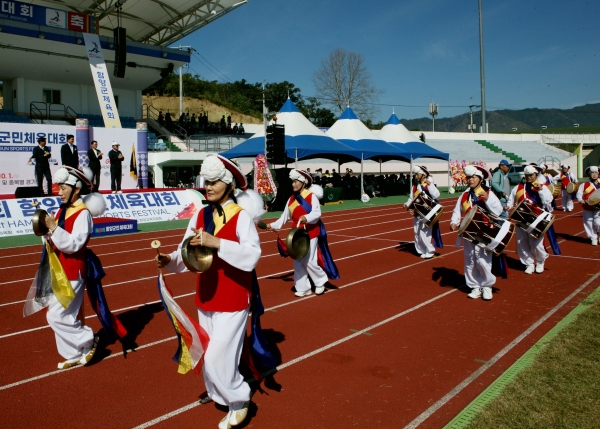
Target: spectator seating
(531,151)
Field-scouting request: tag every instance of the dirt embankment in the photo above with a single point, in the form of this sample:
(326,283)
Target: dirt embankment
(193,105)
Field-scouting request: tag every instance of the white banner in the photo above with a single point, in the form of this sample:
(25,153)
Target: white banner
(18,140)
(102,81)
(16,214)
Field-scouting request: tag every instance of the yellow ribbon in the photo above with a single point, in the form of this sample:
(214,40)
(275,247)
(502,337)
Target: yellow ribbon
(61,286)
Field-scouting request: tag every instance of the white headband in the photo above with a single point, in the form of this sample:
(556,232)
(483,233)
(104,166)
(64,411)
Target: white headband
(472,171)
(417,170)
(213,169)
(62,176)
(295,175)
(530,169)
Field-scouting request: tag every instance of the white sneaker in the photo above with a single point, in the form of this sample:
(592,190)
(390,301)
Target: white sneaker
(594,241)
(539,268)
(224,423)
(487,293)
(319,290)
(119,192)
(475,293)
(238,416)
(427,255)
(529,269)
(69,363)
(305,293)
(88,352)
(114,192)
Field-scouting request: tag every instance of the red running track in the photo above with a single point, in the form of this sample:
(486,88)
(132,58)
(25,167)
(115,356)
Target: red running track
(397,337)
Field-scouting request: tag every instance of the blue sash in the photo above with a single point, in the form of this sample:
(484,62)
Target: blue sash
(329,265)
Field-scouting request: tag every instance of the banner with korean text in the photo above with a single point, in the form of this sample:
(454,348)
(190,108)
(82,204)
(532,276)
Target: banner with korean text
(157,206)
(104,92)
(45,16)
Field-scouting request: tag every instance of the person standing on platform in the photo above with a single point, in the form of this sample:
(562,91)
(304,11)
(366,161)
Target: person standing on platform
(423,233)
(303,209)
(68,153)
(565,177)
(591,214)
(41,154)
(95,156)
(116,168)
(501,184)
(531,251)
(478,261)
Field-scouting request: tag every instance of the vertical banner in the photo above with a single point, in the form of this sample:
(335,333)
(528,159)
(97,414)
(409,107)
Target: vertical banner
(142,148)
(108,106)
(82,140)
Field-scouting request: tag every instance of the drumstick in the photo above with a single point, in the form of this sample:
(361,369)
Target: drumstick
(263,225)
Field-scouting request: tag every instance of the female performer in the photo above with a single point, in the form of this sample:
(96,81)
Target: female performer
(303,208)
(591,214)
(530,250)
(223,292)
(423,233)
(478,261)
(565,177)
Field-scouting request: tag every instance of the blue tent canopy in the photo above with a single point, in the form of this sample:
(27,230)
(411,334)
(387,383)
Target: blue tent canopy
(421,150)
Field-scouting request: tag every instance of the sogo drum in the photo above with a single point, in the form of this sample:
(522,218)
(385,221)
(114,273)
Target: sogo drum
(531,218)
(486,230)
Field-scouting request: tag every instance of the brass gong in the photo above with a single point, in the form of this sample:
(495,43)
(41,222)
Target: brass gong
(196,258)
(297,243)
(39,222)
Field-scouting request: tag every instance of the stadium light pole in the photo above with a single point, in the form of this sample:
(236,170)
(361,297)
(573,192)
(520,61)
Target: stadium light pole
(190,49)
(482,72)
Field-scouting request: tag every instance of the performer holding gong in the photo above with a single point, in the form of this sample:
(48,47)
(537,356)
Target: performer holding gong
(478,260)
(303,208)
(225,290)
(423,188)
(67,266)
(531,250)
(588,195)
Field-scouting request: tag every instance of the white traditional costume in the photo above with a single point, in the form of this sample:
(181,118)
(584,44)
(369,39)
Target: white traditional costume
(306,203)
(64,257)
(591,214)
(547,179)
(565,179)
(530,250)
(478,261)
(423,233)
(223,292)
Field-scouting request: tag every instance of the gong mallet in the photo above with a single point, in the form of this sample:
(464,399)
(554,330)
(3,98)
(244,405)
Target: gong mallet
(156,245)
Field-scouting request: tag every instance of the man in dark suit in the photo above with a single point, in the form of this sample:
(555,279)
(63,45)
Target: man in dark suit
(68,153)
(94,155)
(42,154)
(116,158)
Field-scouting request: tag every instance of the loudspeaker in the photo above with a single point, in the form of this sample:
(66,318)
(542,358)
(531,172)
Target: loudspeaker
(27,192)
(120,36)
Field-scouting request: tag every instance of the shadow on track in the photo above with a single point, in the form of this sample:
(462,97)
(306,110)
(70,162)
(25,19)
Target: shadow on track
(449,277)
(134,321)
(576,239)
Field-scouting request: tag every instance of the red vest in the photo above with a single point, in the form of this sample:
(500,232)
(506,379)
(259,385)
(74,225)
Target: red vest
(223,287)
(466,204)
(588,190)
(297,212)
(74,263)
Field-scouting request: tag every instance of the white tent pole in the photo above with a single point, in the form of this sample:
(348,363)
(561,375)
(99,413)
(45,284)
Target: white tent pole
(362,190)
(296,164)
(380,167)
(449,175)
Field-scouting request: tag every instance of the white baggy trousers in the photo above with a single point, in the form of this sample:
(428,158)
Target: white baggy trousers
(72,336)
(478,266)
(530,250)
(308,266)
(422,237)
(226,331)
(591,223)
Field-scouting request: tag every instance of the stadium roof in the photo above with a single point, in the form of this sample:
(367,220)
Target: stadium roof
(155,22)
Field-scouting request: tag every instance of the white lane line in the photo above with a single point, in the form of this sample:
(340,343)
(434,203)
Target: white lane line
(306,356)
(112,355)
(431,410)
(266,309)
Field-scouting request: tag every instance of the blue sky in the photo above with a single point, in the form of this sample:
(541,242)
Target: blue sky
(538,53)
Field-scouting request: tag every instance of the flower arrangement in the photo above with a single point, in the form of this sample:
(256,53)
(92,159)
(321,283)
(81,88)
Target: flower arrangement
(263,180)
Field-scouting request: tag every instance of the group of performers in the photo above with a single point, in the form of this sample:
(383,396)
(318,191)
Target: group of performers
(227,292)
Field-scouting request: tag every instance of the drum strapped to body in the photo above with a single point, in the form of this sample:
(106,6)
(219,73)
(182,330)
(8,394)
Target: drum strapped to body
(483,228)
(572,187)
(532,219)
(426,209)
(594,200)
(554,190)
